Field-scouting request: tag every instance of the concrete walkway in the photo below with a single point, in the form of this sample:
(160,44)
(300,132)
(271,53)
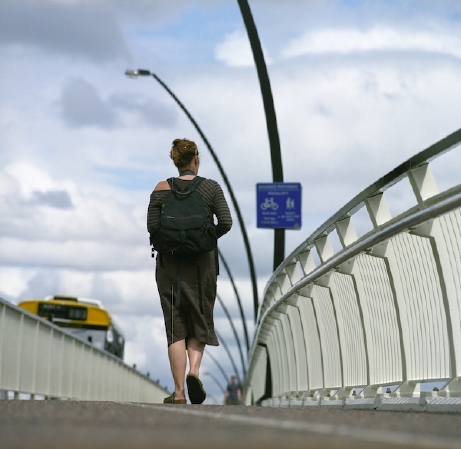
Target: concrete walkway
(101,425)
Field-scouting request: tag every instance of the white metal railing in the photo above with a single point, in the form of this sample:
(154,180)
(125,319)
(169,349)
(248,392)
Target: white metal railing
(374,322)
(38,358)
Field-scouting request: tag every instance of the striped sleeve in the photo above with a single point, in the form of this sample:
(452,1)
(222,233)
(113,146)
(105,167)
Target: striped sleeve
(155,207)
(213,196)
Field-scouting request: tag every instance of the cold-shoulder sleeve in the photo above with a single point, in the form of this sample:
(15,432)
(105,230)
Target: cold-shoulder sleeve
(155,208)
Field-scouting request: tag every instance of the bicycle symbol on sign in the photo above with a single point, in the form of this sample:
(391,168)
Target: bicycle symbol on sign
(269,203)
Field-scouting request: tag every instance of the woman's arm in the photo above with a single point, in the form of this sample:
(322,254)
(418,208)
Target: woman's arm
(155,207)
(222,212)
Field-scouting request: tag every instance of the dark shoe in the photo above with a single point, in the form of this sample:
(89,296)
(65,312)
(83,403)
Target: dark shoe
(197,394)
(172,400)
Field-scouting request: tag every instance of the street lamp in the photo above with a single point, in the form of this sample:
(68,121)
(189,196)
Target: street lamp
(141,72)
(235,333)
(242,315)
(234,366)
(216,381)
(215,360)
(271,119)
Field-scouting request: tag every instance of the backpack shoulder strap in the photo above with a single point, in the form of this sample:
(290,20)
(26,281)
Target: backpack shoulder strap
(194,183)
(190,188)
(171,182)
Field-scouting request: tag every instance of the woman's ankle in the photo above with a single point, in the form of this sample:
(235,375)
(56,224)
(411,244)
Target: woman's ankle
(180,394)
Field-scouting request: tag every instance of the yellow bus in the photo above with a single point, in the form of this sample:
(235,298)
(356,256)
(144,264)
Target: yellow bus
(86,319)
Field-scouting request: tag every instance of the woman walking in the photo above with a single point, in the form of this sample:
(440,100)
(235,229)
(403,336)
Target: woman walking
(187,287)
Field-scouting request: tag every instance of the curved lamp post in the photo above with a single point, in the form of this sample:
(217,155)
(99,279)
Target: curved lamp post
(271,119)
(235,333)
(142,72)
(234,366)
(215,360)
(242,315)
(216,381)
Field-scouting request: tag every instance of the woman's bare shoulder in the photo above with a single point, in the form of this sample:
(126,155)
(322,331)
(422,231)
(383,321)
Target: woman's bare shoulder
(162,185)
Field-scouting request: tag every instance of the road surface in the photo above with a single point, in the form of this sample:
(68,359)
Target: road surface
(52,424)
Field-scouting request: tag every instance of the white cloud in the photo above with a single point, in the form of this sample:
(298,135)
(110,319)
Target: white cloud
(92,216)
(82,106)
(13,281)
(351,40)
(28,177)
(235,51)
(82,29)
(73,200)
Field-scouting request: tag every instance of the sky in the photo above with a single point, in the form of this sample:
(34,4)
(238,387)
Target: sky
(359,87)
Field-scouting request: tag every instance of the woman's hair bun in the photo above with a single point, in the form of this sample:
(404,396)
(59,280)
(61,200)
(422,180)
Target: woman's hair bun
(182,152)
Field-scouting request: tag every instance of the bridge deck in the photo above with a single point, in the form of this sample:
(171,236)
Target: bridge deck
(101,425)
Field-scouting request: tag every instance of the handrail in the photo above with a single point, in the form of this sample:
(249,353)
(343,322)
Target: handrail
(441,207)
(38,358)
(376,321)
(382,184)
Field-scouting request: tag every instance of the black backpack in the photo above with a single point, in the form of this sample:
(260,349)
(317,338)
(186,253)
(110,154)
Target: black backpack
(184,227)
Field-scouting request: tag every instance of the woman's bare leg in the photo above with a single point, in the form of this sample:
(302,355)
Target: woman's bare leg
(195,350)
(178,361)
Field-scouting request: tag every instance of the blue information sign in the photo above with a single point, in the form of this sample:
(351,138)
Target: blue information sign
(278,205)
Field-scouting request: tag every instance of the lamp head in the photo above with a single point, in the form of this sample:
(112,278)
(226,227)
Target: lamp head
(134,73)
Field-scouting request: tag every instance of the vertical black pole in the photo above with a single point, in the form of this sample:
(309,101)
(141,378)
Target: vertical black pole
(271,120)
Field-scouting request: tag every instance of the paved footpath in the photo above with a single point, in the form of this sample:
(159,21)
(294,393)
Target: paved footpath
(108,425)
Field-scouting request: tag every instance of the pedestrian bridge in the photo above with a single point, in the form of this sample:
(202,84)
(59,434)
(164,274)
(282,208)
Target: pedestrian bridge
(371,319)
(364,314)
(38,358)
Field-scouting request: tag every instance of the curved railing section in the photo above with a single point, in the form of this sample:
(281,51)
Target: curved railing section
(375,321)
(39,359)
